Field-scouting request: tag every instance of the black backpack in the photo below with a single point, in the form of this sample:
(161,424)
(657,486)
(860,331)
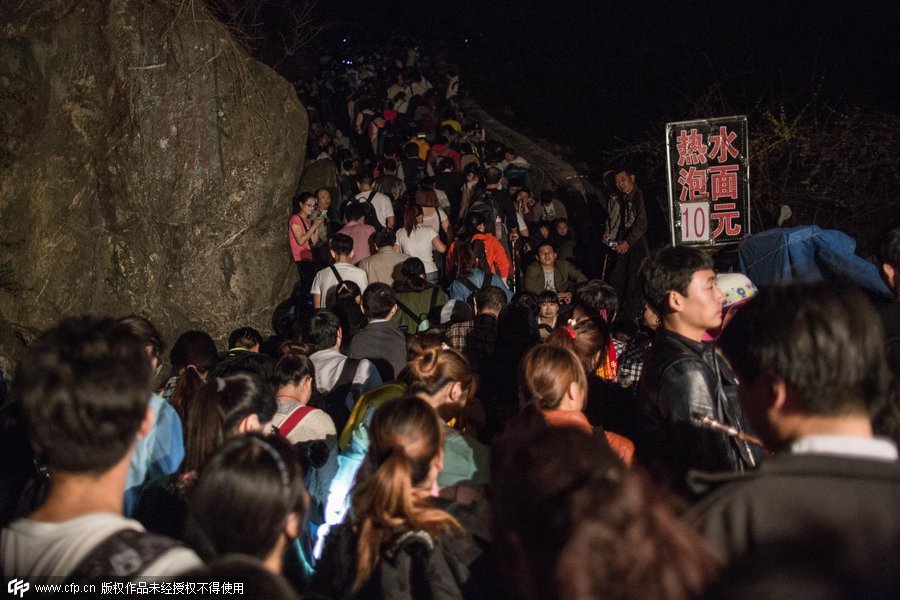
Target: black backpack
(486,205)
(123,555)
(414,171)
(334,403)
(367,208)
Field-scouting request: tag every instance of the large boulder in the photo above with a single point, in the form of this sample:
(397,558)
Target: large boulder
(146,165)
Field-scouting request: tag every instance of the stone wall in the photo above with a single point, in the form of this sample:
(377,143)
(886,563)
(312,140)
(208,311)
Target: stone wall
(147,166)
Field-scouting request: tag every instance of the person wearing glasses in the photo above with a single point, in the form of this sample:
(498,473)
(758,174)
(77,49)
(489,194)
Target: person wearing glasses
(304,229)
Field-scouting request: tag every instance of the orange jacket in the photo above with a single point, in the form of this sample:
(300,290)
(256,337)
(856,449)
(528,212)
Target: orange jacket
(496,255)
(621,445)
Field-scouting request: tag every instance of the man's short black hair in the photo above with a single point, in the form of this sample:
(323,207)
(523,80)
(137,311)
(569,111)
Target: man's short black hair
(322,330)
(341,244)
(670,269)
(378,300)
(84,387)
(824,340)
(492,176)
(548,297)
(244,337)
(364,178)
(541,244)
(492,298)
(354,212)
(596,295)
(889,248)
(411,150)
(446,164)
(385,238)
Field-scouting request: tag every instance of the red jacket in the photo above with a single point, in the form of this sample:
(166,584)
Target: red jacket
(496,255)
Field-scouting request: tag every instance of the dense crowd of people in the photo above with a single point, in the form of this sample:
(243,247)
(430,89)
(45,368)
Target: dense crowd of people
(471,393)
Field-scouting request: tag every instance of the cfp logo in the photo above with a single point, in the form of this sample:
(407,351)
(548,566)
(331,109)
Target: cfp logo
(17,587)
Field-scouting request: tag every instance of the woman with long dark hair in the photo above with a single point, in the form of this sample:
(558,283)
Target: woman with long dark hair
(193,356)
(398,541)
(432,215)
(221,408)
(474,231)
(471,275)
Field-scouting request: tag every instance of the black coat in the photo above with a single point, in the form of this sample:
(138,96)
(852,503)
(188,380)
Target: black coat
(682,378)
(836,514)
(414,565)
(384,345)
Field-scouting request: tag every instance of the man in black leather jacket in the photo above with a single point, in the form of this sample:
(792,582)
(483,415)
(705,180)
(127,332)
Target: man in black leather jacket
(685,379)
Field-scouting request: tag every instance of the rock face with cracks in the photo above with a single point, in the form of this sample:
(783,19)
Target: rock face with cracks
(146,166)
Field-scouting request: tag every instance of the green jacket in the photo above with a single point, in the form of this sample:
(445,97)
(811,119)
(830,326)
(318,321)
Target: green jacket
(565,276)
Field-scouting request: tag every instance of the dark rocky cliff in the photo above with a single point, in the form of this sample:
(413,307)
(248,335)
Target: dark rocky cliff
(146,165)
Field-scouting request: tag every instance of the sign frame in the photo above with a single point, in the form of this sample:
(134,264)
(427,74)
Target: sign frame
(730,167)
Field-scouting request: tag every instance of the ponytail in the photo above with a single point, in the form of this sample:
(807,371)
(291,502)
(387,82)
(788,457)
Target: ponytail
(187,387)
(219,408)
(389,492)
(203,430)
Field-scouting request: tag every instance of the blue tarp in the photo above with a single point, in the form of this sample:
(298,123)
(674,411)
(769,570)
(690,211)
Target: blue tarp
(807,253)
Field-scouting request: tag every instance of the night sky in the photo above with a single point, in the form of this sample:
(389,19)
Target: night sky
(597,73)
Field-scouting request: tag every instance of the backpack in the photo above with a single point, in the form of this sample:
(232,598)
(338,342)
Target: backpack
(486,204)
(367,208)
(414,171)
(123,555)
(334,403)
(423,322)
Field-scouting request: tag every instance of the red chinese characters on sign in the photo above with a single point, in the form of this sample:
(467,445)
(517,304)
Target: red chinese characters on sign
(724,214)
(724,181)
(707,165)
(693,184)
(691,149)
(722,145)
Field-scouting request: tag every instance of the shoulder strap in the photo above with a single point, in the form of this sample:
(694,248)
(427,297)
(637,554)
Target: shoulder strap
(470,285)
(124,554)
(434,292)
(336,399)
(347,373)
(337,275)
(294,419)
(371,195)
(409,312)
(486,281)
